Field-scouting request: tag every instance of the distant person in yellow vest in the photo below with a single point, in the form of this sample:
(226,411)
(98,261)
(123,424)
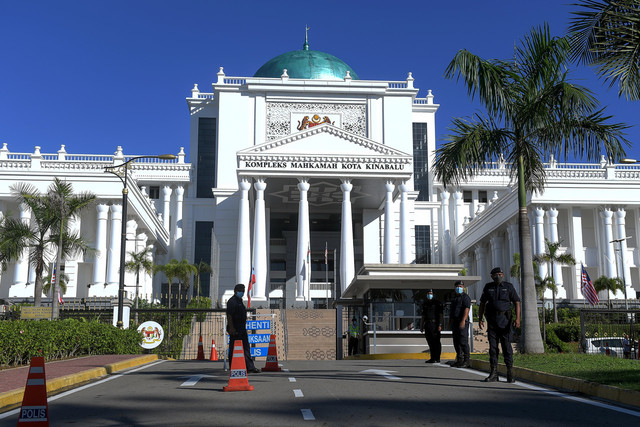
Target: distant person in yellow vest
(354,334)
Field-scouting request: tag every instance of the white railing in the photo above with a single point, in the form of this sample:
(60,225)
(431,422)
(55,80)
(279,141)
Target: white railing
(205,95)
(235,80)
(397,85)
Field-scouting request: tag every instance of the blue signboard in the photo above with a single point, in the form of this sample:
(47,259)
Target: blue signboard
(259,338)
(259,351)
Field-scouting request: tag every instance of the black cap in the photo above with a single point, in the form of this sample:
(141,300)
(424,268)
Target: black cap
(238,287)
(496,270)
(429,291)
(458,282)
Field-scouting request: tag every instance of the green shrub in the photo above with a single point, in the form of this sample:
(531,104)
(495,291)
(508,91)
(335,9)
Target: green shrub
(556,344)
(20,340)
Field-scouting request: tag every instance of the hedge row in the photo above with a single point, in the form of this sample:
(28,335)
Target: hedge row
(20,340)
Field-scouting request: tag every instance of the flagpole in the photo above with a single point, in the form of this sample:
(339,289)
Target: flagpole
(326,273)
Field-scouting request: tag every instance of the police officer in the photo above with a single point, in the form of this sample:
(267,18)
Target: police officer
(496,301)
(432,325)
(459,325)
(354,333)
(237,326)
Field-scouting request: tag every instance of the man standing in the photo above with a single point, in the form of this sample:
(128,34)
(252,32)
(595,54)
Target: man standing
(237,326)
(354,333)
(496,301)
(459,324)
(432,325)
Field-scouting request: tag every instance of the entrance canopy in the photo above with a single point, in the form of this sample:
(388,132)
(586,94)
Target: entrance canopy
(406,276)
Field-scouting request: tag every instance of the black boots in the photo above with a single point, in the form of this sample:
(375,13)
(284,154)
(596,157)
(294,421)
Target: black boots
(461,363)
(510,378)
(493,375)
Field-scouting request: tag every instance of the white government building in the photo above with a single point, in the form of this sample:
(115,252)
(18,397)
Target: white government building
(304,162)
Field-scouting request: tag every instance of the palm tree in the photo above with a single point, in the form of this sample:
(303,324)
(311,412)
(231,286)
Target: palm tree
(49,228)
(184,272)
(139,262)
(169,270)
(606,34)
(552,257)
(609,284)
(532,109)
(202,268)
(62,280)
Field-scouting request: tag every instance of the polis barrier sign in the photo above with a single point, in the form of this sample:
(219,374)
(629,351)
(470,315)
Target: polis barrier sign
(263,337)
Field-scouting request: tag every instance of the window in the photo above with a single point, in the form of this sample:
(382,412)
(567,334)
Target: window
(154,192)
(467,196)
(206,163)
(423,244)
(482,196)
(420,161)
(278,265)
(202,252)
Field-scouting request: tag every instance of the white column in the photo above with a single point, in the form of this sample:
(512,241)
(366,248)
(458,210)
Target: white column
(100,260)
(388,222)
(166,209)
(552,216)
(113,257)
(623,266)
(347,266)
(609,255)
(243,248)
(21,272)
(303,269)
(177,224)
(496,252)
(405,249)
(577,249)
(446,229)
(539,238)
(260,243)
(481,268)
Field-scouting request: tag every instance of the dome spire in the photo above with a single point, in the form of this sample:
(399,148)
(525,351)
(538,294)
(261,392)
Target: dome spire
(305,46)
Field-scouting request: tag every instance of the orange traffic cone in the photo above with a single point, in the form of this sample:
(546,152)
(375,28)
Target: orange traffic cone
(272,356)
(238,380)
(35,410)
(214,353)
(200,349)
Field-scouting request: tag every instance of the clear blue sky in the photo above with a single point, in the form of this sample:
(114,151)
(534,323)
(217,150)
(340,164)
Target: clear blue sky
(94,75)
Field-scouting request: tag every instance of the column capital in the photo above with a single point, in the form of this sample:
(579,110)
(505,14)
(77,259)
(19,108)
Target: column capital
(260,184)
(166,192)
(444,195)
(244,184)
(389,186)
(538,211)
(346,186)
(179,191)
(303,185)
(606,213)
(620,213)
(457,195)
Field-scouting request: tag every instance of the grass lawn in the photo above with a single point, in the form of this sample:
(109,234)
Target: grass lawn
(591,367)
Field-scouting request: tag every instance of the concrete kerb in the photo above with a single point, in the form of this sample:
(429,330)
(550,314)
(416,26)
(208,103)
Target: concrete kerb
(13,398)
(616,394)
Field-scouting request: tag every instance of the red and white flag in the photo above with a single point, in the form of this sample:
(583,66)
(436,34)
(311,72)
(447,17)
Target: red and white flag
(251,282)
(587,289)
(326,253)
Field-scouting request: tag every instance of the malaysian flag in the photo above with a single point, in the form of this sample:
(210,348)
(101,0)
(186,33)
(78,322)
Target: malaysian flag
(251,282)
(587,289)
(326,253)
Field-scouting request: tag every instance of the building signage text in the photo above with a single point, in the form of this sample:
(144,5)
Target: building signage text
(292,165)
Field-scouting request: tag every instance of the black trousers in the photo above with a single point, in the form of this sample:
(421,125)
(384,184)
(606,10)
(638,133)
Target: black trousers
(432,334)
(461,339)
(247,350)
(353,345)
(502,336)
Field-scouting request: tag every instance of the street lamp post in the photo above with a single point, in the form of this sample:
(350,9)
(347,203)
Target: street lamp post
(121,171)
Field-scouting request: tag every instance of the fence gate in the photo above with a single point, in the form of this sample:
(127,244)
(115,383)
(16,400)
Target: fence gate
(603,331)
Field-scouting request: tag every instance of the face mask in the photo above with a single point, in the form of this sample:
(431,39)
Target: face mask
(239,294)
(430,296)
(459,291)
(497,279)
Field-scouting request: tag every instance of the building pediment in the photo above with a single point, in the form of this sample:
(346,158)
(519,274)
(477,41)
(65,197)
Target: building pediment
(324,148)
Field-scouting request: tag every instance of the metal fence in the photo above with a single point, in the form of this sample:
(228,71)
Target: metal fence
(610,332)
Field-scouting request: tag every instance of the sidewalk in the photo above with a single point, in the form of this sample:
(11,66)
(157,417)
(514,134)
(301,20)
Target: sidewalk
(65,374)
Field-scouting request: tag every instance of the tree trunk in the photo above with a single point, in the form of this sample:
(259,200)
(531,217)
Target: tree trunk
(37,291)
(55,308)
(555,312)
(531,340)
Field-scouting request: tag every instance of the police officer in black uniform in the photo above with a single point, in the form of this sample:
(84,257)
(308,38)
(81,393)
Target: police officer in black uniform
(237,326)
(432,325)
(496,301)
(459,324)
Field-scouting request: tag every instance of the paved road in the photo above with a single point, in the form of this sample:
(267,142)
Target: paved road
(349,393)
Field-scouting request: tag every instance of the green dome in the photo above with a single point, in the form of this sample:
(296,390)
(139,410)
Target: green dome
(306,64)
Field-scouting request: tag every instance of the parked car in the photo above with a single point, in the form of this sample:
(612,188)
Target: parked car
(5,310)
(610,346)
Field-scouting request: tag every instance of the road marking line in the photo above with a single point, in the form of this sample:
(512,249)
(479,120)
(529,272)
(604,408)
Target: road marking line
(285,370)
(84,387)
(563,395)
(307,415)
(298,393)
(292,380)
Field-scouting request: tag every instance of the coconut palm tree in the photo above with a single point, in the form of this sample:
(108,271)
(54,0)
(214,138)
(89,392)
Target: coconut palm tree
(139,262)
(606,34)
(170,270)
(531,109)
(62,280)
(202,268)
(552,257)
(609,284)
(183,273)
(49,229)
